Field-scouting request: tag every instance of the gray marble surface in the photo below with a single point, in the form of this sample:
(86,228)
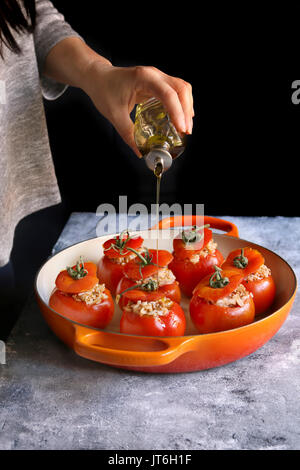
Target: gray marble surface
(52,399)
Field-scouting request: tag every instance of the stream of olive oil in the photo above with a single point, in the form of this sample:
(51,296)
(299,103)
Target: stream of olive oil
(158,172)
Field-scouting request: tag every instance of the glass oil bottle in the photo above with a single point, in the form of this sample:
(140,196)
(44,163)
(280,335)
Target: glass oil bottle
(156,136)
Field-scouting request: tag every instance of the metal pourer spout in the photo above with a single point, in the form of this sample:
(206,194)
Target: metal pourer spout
(159,168)
(158,160)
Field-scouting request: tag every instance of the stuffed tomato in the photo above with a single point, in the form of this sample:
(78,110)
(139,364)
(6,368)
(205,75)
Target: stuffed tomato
(147,278)
(118,252)
(221,302)
(80,297)
(162,317)
(195,255)
(257,277)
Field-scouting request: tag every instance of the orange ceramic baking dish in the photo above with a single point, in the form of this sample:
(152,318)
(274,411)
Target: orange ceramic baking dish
(167,354)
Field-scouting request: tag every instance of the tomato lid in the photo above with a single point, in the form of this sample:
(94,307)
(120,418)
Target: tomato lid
(79,278)
(117,247)
(135,295)
(186,249)
(250,258)
(137,269)
(205,290)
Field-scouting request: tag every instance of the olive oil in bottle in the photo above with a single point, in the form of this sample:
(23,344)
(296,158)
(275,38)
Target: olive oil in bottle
(156,136)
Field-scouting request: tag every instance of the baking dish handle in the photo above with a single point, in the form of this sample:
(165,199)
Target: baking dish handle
(183,220)
(129,351)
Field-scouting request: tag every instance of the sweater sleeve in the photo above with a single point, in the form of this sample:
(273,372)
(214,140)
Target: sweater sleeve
(50,29)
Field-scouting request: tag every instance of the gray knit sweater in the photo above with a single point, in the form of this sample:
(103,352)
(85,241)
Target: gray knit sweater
(27,177)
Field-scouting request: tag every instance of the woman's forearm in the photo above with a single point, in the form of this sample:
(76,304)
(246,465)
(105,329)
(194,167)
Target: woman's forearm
(69,60)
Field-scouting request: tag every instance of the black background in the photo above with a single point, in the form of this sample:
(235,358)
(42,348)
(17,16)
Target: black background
(241,158)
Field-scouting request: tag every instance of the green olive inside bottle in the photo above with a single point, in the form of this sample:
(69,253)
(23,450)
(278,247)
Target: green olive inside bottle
(156,136)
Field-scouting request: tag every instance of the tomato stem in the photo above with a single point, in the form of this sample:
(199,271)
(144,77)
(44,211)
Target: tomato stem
(241,261)
(120,243)
(193,235)
(144,260)
(148,286)
(216,281)
(79,272)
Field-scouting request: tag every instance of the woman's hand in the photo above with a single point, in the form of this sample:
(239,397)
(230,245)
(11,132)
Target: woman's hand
(116,90)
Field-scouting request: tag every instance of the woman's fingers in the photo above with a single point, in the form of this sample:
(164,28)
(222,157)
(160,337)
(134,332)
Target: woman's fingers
(184,91)
(174,93)
(170,99)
